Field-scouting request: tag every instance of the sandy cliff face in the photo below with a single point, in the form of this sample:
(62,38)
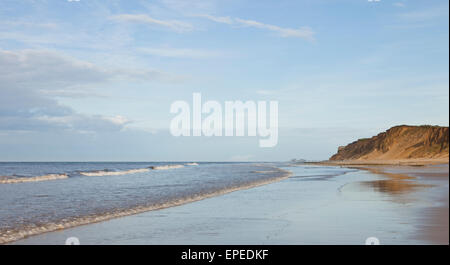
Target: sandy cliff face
(399,142)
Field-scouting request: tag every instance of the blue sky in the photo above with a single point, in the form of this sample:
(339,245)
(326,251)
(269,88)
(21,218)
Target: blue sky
(94,80)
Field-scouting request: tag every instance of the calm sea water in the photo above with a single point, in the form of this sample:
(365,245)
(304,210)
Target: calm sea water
(42,197)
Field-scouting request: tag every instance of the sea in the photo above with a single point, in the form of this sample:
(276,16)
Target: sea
(40,197)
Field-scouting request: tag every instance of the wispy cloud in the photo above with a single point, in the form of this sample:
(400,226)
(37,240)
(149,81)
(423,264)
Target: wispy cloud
(226,20)
(47,69)
(302,32)
(71,93)
(419,18)
(399,4)
(175,25)
(45,25)
(423,15)
(179,53)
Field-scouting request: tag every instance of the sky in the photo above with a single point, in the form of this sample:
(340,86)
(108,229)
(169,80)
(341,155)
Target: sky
(94,80)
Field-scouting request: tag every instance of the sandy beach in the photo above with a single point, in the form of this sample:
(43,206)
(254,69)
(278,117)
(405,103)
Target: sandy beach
(316,205)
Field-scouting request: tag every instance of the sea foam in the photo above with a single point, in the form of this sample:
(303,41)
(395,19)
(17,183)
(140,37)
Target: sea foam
(13,179)
(113,173)
(165,167)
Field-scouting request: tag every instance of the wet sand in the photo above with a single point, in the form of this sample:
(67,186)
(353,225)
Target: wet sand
(435,219)
(317,205)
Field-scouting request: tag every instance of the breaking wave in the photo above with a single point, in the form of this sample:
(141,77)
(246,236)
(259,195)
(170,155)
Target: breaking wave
(14,179)
(95,173)
(107,172)
(113,173)
(191,164)
(165,167)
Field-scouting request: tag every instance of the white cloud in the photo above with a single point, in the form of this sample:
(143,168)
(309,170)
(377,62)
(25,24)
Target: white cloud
(28,110)
(179,53)
(175,25)
(226,20)
(83,123)
(31,79)
(43,69)
(71,93)
(16,23)
(302,32)
(119,120)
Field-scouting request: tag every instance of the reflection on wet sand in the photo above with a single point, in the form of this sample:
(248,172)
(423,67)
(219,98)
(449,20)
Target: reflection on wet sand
(424,189)
(394,184)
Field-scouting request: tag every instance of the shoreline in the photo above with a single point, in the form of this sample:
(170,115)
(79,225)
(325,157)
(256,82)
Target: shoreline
(296,210)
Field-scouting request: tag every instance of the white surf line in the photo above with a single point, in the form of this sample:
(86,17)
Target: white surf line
(165,167)
(113,173)
(13,180)
(125,172)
